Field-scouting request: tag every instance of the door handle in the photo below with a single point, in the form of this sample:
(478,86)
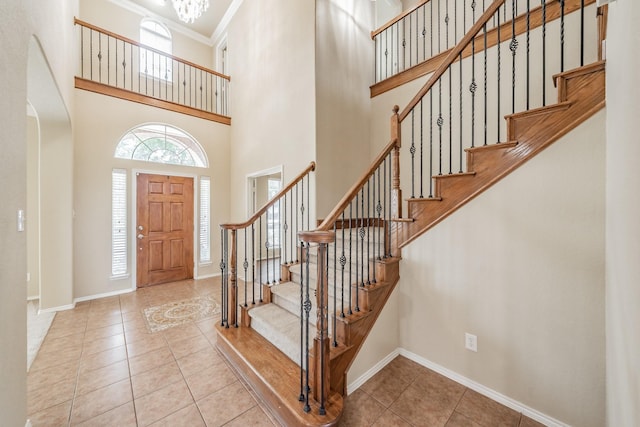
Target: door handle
(140,228)
(140,236)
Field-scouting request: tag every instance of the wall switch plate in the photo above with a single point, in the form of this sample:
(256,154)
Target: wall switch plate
(471,342)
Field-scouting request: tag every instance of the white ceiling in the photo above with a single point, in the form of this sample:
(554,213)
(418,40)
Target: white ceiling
(205,25)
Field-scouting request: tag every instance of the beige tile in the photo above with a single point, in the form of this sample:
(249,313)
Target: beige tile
(66,330)
(103,321)
(254,417)
(181,332)
(145,345)
(210,380)
(424,405)
(134,324)
(185,417)
(122,416)
(528,422)
(131,316)
(189,345)
(44,378)
(385,386)
(46,397)
(389,419)
(199,361)
(225,404)
(63,345)
(208,328)
(486,412)
(155,379)
(133,335)
(107,331)
(459,420)
(54,416)
(360,409)
(100,401)
(48,360)
(165,401)
(89,381)
(102,344)
(103,358)
(147,361)
(404,368)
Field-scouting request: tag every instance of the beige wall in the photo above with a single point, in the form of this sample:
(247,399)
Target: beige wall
(18,20)
(100,123)
(271,61)
(623,213)
(343,59)
(521,267)
(33,207)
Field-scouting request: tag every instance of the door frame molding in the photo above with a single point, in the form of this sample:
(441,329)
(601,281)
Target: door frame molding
(133,216)
(253,175)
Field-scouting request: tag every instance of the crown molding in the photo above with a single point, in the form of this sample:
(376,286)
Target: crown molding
(226,19)
(144,12)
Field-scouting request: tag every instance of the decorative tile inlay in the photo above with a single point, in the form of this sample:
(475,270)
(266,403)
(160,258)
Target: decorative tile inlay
(177,313)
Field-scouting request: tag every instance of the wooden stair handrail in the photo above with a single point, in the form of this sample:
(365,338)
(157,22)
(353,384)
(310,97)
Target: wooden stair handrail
(398,18)
(82,23)
(452,56)
(274,199)
(327,224)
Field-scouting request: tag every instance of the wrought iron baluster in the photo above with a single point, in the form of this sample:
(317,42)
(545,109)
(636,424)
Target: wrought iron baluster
(498,72)
(384,202)
(357,247)
(513,46)
(440,122)
(100,57)
(421,149)
(581,33)
(484,29)
(253,264)
(307,310)
(379,212)
(473,86)
(361,231)
(303,387)
(368,229)
(561,36)
(404,46)
(460,94)
(245,264)
(350,255)
(528,46)
(390,203)
(412,150)
(223,275)
(430,143)
(297,227)
(260,253)
(335,285)
(343,261)
(544,52)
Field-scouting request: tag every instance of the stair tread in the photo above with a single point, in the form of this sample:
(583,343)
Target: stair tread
(274,377)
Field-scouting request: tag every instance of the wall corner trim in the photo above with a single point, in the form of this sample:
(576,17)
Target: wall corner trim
(351,387)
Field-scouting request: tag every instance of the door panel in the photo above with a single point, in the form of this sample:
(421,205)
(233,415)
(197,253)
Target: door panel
(165,229)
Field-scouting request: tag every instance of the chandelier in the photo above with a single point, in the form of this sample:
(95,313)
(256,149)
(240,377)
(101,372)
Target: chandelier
(190,10)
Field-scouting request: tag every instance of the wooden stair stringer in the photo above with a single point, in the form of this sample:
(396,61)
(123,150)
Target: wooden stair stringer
(274,378)
(533,130)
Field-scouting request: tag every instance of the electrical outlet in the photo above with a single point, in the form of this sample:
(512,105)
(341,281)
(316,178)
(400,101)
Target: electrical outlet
(471,342)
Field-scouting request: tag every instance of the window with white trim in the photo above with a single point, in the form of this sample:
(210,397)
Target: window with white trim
(119,223)
(160,143)
(205,219)
(155,35)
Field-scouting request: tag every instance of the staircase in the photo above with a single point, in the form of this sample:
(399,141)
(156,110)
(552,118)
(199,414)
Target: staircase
(293,334)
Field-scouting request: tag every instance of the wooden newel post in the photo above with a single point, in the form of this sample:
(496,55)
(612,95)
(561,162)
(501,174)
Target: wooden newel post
(321,343)
(233,281)
(396,192)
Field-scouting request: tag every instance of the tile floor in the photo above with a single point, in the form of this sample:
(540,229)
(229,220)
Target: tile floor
(99,366)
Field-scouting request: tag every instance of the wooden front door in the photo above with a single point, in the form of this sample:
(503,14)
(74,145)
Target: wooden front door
(164,229)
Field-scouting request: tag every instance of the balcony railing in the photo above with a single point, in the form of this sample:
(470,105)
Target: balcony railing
(120,67)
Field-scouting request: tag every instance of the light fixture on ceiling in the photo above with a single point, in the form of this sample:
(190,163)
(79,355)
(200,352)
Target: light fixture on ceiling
(190,10)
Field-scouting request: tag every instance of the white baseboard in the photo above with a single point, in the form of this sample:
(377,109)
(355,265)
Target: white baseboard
(33,298)
(104,295)
(485,391)
(59,308)
(28,423)
(208,276)
(372,371)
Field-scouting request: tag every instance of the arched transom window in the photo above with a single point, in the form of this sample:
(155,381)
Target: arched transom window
(160,143)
